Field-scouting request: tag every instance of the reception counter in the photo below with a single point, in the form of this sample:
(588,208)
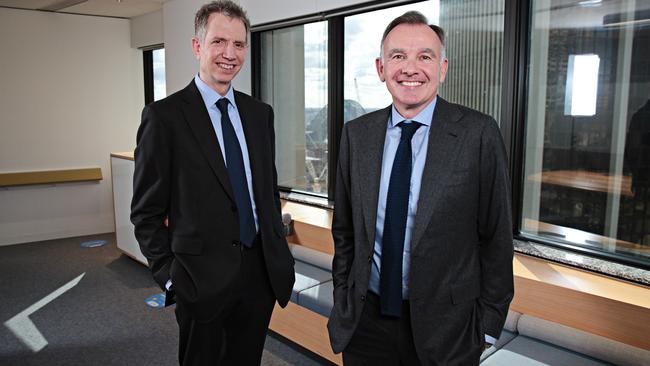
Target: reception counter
(122,176)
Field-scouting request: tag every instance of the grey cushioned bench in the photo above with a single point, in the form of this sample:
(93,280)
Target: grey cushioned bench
(508,334)
(541,342)
(525,340)
(313,288)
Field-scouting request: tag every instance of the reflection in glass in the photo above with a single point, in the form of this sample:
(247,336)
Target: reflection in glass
(587,157)
(581,85)
(294,82)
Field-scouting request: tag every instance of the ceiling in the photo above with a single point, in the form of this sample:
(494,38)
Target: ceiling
(109,8)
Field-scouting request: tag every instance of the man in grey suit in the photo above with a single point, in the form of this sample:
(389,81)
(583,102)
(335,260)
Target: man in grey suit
(422,224)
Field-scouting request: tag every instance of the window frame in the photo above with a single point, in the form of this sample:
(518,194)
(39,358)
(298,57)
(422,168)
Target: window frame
(147,67)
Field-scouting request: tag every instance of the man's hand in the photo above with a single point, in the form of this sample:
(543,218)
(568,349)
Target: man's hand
(486,345)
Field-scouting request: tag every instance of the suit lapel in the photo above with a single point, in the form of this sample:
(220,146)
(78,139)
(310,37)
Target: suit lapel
(445,137)
(198,119)
(372,145)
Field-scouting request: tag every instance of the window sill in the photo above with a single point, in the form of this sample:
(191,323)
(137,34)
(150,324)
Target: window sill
(320,202)
(584,262)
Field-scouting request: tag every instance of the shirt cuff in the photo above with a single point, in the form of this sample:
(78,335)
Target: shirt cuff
(489,339)
(168,285)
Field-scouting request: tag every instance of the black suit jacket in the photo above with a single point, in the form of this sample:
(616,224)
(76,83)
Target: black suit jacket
(461,280)
(180,173)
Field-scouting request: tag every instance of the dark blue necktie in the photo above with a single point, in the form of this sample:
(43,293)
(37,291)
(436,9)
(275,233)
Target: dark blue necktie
(397,204)
(237,175)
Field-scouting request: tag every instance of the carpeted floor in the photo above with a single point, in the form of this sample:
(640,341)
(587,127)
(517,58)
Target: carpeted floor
(103,320)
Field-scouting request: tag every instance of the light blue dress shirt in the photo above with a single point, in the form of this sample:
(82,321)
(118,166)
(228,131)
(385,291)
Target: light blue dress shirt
(419,144)
(210,98)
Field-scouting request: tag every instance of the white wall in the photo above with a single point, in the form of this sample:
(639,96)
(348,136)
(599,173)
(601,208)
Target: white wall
(147,30)
(178,23)
(260,11)
(178,20)
(71,92)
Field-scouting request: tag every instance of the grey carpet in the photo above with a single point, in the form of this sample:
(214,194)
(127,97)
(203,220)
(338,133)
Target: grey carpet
(103,320)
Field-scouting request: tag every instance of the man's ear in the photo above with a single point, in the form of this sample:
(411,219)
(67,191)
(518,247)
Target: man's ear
(380,69)
(196,47)
(443,70)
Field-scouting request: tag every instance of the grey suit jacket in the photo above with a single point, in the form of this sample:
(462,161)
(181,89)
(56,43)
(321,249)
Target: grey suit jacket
(461,281)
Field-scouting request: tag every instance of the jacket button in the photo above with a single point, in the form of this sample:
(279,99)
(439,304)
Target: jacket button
(370,259)
(363,297)
(235,243)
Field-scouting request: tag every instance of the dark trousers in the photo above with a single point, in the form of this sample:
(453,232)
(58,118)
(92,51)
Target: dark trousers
(381,340)
(237,335)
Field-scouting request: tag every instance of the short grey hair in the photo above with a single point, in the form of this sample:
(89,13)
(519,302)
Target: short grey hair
(225,7)
(412,17)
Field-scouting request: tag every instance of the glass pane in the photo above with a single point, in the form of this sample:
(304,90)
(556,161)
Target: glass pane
(159,88)
(294,82)
(474,44)
(587,158)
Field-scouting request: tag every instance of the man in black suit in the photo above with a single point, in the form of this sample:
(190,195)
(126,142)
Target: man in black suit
(422,227)
(205,204)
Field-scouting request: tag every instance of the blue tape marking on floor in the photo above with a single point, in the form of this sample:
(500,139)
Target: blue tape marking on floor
(156,301)
(93,243)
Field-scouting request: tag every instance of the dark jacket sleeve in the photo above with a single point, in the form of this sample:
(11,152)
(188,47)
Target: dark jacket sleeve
(276,192)
(151,193)
(342,225)
(495,231)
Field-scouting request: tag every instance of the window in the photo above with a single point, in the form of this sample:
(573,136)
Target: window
(293,76)
(566,80)
(586,178)
(154,74)
(294,81)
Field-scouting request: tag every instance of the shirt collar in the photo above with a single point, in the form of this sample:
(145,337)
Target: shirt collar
(210,96)
(424,117)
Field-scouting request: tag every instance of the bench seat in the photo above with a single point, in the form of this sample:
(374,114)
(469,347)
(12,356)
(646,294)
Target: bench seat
(318,298)
(525,351)
(542,342)
(525,340)
(308,276)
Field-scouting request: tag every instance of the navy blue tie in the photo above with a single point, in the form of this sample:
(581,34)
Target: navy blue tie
(397,203)
(237,175)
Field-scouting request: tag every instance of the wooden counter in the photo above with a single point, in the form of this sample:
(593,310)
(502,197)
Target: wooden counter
(123,155)
(14,179)
(122,169)
(311,226)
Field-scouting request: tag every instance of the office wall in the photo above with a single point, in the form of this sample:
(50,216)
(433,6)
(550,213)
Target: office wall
(71,92)
(178,23)
(147,30)
(178,17)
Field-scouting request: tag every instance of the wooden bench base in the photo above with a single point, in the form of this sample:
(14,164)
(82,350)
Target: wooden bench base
(306,328)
